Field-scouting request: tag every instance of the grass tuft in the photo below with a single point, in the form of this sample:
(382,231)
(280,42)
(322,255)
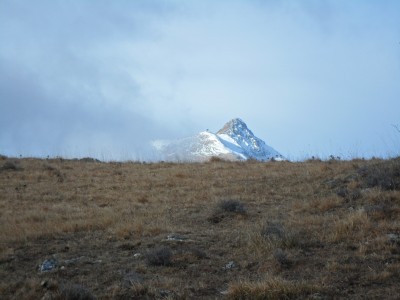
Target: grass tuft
(227,208)
(75,292)
(282,259)
(272,288)
(159,257)
(234,206)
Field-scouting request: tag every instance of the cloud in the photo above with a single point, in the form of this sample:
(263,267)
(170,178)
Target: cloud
(65,81)
(83,77)
(38,124)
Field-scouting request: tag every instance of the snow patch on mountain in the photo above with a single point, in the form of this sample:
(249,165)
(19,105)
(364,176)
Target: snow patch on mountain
(233,142)
(236,133)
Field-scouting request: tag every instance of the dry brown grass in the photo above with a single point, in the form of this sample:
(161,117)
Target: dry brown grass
(292,230)
(271,288)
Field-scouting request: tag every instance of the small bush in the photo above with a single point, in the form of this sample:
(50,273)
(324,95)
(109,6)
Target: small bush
(140,291)
(9,165)
(273,231)
(277,236)
(281,258)
(159,257)
(75,292)
(385,175)
(234,206)
(334,158)
(89,160)
(198,253)
(216,159)
(342,192)
(227,208)
(252,160)
(314,159)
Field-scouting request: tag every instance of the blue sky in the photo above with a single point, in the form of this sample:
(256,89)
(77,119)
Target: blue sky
(104,78)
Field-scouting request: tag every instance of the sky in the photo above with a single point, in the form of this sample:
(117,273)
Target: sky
(105,78)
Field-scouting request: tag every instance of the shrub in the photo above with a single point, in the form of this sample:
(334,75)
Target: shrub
(334,158)
(277,236)
(234,206)
(273,231)
(314,159)
(198,253)
(385,175)
(89,160)
(159,257)
(75,292)
(226,208)
(9,165)
(140,291)
(252,160)
(216,159)
(281,258)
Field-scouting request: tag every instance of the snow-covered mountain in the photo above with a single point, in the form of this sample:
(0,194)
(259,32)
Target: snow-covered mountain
(234,141)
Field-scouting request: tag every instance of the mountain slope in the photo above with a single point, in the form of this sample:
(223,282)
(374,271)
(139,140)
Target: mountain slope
(234,141)
(237,133)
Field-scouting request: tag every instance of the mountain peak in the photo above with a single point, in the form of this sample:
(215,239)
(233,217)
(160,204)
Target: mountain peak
(235,134)
(234,127)
(234,141)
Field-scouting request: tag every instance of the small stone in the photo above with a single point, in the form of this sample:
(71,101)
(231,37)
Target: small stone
(48,265)
(176,237)
(49,284)
(394,238)
(137,255)
(44,283)
(230,265)
(164,293)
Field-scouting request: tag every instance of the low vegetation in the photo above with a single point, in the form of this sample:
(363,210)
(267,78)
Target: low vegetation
(159,257)
(84,229)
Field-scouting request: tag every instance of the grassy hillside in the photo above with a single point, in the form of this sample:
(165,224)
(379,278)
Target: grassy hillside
(83,229)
